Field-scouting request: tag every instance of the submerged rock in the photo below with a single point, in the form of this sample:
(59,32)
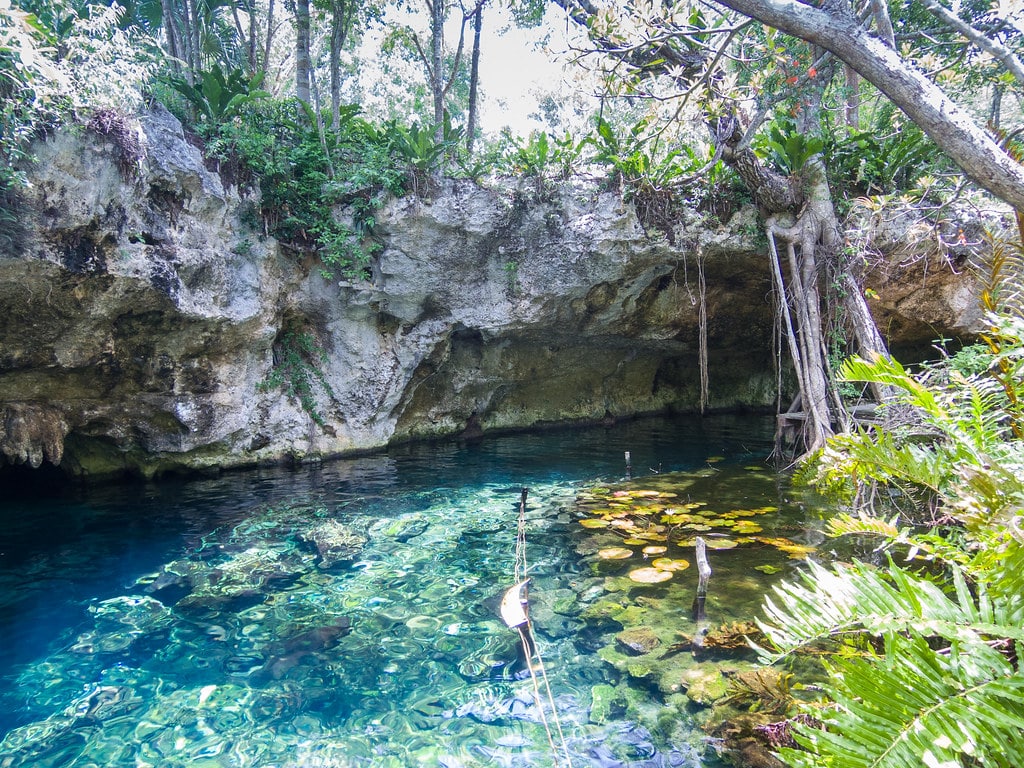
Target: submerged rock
(335,542)
(301,647)
(638,640)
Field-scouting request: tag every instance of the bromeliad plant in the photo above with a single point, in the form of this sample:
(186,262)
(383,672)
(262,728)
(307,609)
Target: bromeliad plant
(925,666)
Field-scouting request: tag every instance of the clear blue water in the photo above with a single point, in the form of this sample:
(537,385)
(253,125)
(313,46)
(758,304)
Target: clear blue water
(200,623)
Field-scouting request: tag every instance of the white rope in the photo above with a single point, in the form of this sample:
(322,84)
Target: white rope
(530,649)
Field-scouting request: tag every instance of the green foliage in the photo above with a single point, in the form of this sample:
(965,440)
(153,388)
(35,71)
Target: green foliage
(925,669)
(298,370)
(635,159)
(417,146)
(881,160)
(301,203)
(28,88)
(542,155)
(217,97)
(787,148)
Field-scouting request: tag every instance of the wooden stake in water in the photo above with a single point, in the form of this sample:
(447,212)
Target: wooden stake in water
(703,576)
(629,466)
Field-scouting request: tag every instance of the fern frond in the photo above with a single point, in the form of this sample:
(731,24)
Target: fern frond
(849,600)
(863,524)
(919,707)
(887,371)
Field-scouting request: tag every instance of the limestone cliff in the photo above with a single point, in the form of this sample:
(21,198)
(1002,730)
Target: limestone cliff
(143,317)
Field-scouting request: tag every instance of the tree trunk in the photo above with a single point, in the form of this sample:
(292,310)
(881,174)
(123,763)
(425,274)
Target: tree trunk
(339,29)
(174,45)
(437,65)
(302,62)
(270,34)
(474,79)
(852,97)
(254,64)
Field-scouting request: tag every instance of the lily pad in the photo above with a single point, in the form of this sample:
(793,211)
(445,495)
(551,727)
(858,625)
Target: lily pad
(654,549)
(634,542)
(746,526)
(614,553)
(721,543)
(767,568)
(594,523)
(649,575)
(670,564)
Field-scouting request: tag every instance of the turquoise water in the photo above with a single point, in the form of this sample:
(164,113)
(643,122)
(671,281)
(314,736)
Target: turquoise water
(340,615)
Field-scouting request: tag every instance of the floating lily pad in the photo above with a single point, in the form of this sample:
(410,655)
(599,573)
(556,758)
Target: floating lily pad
(633,542)
(652,536)
(649,575)
(791,548)
(654,550)
(594,523)
(754,468)
(746,526)
(670,564)
(767,568)
(721,543)
(698,527)
(614,553)
(714,459)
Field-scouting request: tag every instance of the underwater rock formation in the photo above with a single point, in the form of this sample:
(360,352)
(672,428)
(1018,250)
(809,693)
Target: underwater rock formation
(145,314)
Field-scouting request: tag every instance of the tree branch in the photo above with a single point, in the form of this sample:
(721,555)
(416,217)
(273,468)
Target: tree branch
(993,48)
(949,126)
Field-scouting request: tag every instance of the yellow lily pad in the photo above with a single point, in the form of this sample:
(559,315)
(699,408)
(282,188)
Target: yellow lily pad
(714,459)
(670,564)
(654,550)
(634,542)
(746,526)
(594,523)
(721,543)
(791,548)
(652,536)
(615,553)
(649,575)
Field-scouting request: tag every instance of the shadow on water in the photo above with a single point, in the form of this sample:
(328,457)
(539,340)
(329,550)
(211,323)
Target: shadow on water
(345,613)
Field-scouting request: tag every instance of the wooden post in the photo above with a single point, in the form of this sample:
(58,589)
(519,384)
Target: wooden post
(629,466)
(703,575)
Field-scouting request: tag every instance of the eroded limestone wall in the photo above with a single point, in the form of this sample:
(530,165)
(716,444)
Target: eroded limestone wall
(143,316)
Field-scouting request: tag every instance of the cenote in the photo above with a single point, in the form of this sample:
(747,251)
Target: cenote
(346,614)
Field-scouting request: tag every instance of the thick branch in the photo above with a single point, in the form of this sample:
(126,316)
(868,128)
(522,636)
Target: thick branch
(950,127)
(993,48)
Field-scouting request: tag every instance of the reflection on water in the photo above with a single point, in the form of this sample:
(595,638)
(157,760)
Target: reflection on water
(346,614)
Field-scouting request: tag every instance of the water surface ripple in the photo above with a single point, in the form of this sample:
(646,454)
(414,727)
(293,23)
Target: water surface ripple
(335,615)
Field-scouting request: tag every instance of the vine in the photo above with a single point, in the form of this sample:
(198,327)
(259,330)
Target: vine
(298,370)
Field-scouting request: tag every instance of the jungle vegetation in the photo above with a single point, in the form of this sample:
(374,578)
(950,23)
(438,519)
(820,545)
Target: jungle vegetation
(809,110)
